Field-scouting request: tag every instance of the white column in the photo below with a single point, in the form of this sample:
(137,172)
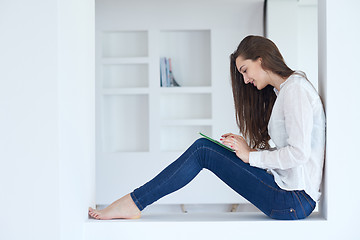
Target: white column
(29,154)
(339,85)
(76,111)
(47,172)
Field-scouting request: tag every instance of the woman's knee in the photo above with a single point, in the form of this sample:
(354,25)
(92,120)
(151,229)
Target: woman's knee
(201,147)
(202,142)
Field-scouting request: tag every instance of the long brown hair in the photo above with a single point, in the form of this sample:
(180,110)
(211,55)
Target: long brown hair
(253,107)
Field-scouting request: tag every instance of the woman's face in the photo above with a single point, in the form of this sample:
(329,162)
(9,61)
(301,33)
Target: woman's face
(252,72)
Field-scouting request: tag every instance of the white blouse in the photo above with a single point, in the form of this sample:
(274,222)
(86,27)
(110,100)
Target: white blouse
(297,128)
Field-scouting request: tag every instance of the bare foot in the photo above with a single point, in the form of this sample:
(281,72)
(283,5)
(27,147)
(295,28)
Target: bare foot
(122,208)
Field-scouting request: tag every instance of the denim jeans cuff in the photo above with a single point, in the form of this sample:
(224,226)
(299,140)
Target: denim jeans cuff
(136,201)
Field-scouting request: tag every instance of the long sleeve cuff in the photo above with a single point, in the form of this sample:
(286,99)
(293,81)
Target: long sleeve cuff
(255,159)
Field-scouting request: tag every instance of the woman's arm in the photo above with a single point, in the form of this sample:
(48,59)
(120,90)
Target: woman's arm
(298,117)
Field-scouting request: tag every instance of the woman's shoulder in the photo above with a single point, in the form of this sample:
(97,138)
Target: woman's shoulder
(298,77)
(299,80)
(297,83)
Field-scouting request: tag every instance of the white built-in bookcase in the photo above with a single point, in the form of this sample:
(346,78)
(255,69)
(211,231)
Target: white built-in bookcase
(134,104)
(142,127)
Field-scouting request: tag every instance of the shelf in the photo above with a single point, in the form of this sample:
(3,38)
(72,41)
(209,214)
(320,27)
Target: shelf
(125,123)
(124,91)
(125,44)
(185,89)
(125,60)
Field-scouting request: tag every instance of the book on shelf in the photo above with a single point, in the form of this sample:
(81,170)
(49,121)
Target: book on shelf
(167,78)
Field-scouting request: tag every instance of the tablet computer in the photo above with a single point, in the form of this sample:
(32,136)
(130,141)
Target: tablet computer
(217,142)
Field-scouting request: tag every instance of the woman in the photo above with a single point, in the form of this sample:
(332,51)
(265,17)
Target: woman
(271,102)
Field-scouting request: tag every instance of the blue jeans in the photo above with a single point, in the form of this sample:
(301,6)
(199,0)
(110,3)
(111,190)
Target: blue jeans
(254,184)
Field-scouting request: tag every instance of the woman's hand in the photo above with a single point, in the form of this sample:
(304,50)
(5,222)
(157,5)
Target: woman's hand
(239,144)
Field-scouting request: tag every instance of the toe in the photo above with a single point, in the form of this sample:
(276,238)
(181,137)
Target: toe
(92,214)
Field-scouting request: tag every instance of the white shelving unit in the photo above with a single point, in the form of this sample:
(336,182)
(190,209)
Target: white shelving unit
(143,127)
(126,91)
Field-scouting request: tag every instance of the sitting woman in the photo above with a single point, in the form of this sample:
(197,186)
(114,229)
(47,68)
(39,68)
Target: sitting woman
(271,102)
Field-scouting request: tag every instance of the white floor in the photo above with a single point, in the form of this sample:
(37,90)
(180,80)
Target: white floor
(195,208)
(201,212)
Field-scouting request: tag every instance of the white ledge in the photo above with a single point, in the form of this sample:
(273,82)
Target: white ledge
(203,217)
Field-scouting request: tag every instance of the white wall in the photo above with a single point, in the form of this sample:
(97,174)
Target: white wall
(282,28)
(29,154)
(46,118)
(292,25)
(308,40)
